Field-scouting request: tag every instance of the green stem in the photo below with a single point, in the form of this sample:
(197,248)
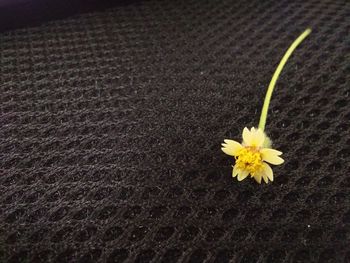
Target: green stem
(275,76)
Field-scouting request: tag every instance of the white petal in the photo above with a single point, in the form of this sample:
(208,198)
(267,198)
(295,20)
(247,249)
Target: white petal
(254,137)
(234,172)
(246,135)
(271,156)
(265,178)
(267,142)
(268,171)
(231,147)
(276,152)
(258,137)
(242,175)
(257,177)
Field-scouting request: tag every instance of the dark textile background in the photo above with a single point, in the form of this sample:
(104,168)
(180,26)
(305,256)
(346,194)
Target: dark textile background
(111,123)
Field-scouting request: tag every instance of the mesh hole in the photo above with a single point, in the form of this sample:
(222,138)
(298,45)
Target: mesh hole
(250,257)
(157,212)
(189,233)
(171,256)
(276,256)
(145,256)
(85,234)
(302,255)
(41,256)
(327,255)
(130,213)
(240,234)
(65,256)
(164,233)
(223,256)
(112,233)
(118,256)
(59,214)
(229,215)
(197,256)
(315,235)
(91,256)
(21,256)
(214,234)
(138,233)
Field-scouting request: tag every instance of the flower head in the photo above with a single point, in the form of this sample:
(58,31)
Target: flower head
(253,155)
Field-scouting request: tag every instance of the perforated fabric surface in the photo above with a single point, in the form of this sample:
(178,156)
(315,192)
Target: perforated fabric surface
(111,125)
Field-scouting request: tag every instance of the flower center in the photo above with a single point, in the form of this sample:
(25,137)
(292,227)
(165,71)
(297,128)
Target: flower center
(249,159)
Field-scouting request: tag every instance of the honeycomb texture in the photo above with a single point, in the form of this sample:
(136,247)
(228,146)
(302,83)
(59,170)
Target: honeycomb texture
(111,125)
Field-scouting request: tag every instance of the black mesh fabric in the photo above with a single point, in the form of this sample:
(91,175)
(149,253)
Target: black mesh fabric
(111,125)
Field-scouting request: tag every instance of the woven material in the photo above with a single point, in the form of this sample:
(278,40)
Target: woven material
(111,125)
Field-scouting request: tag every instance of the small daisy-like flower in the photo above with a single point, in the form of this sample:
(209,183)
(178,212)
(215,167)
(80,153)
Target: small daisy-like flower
(253,155)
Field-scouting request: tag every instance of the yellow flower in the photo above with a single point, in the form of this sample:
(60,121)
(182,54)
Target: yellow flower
(253,155)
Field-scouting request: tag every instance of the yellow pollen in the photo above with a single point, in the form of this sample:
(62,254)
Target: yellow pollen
(249,159)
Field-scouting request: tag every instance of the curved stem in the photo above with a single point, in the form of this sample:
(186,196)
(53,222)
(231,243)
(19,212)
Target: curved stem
(275,76)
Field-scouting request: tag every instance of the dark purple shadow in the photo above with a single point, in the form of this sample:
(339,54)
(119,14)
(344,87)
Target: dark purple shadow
(23,13)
